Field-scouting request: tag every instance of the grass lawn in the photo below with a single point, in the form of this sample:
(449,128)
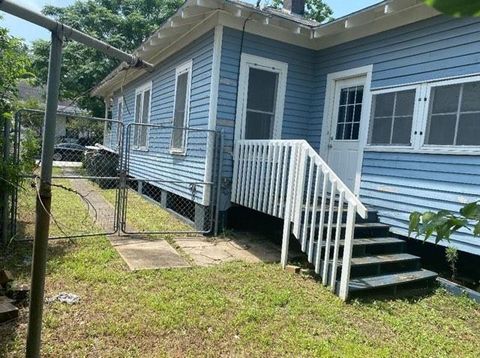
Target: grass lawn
(234,309)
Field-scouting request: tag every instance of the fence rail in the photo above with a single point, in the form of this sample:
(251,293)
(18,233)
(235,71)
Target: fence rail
(289,180)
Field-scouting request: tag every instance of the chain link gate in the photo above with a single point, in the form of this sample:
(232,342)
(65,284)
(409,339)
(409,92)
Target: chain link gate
(169,168)
(134,182)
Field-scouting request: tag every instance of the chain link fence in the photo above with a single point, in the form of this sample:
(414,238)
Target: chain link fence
(111,178)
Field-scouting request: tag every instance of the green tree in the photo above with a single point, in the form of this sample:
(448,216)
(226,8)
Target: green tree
(456,7)
(14,64)
(123,24)
(316,10)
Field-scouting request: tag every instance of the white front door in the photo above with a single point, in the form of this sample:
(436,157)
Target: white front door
(343,140)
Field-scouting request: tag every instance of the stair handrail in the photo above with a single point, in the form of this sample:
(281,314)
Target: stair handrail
(260,167)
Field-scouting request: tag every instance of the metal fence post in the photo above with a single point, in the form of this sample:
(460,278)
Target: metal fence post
(44,199)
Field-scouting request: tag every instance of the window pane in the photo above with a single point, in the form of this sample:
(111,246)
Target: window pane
(355,131)
(262,88)
(384,104)
(358,113)
(343,96)
(471,97)
(442,129)
(351,95)
(402,129)
(138,103)
(381,131)
(350,110)
(146,106)
(359,97)
(258,125)
(445,99)
(469,129)
(179,117)
(405,103)
(339,133)
(341,114)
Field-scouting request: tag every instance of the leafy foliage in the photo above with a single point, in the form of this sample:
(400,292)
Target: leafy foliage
(14,65)
(456,7)
(451,255)
(444,223)
(123,24)
(316,10)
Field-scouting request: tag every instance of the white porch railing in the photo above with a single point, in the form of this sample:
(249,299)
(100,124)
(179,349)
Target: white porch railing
(289,180)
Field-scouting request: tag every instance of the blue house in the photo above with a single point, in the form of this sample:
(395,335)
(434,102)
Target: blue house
(366,118)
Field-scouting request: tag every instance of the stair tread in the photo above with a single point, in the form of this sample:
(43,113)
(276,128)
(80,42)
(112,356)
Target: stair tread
(358,225)
(371,241)
(365,283)
(381,259)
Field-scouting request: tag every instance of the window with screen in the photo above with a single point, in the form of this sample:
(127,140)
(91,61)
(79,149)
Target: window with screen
(181,108)
(454,115)
(392,118)
(142,114)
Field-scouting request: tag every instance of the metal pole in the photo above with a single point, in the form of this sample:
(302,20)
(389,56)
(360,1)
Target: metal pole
(6,154)
(70,33)
(44,201)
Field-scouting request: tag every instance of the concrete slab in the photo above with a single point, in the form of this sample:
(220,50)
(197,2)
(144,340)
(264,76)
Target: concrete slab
(209,252)
(144,254)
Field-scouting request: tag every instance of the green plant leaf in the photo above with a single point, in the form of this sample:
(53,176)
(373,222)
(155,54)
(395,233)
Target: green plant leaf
(456,8)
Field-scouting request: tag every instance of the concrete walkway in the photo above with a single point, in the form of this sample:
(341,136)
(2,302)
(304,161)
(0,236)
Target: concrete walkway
(148,253)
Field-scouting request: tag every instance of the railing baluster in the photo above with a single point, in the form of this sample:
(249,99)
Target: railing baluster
(248,183)
(274,184)
(306,213)
(348,250)
(241,172)
(318,259)
(261,183)
(314,214)
(299,192)
(236,164)
(287,154)
(328,241)
(333,277)
(258,155)
(267,194)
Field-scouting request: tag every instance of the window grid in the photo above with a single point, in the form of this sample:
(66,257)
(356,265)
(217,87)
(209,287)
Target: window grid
(344,122)
(458,114)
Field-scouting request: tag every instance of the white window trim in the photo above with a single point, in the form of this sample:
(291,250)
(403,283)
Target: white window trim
(120,122)
(417,114)
(250,61)
(446,149)
(420,120)
(329,106)
(142,89)
(185,67)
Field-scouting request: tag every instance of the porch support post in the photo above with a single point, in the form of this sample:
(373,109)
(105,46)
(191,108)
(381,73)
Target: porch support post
(289,204)
(44,199)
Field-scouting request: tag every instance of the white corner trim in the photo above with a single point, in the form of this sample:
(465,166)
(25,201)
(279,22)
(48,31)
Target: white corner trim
(212,111)
(329,107)
(248,61)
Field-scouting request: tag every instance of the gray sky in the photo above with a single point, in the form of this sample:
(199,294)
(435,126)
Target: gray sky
(29,32)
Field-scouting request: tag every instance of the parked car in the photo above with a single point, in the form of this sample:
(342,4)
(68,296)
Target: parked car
(69,152)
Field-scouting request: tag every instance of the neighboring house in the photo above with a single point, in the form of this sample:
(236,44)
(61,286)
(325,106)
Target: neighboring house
(66,109)
(388,97)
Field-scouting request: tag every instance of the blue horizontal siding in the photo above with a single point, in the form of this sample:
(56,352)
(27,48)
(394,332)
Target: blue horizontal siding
(157,164)
(397,184)
(299,89)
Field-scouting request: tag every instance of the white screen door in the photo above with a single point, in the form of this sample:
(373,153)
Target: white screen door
(261,98)
(346,116)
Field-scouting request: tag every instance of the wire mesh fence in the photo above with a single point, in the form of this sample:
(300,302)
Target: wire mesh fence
(111,178)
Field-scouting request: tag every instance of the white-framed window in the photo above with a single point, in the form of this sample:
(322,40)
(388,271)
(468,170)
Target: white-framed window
(453,116)
(393,116)
(181,108)
(143,96)
(119,118)
(441,116)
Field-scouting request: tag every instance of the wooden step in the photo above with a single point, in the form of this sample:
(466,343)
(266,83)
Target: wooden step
(365,230)
(382,259)
(370,241)
(396,279)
